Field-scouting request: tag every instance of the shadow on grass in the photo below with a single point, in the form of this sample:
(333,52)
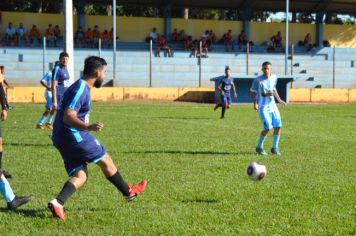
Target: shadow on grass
(29,144)
(183,118)
(27,212)
(199,200)
(189,152)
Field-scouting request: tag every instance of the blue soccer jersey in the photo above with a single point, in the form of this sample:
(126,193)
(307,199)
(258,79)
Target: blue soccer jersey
(77,98)
(61,75)
(265,85)
(226,84)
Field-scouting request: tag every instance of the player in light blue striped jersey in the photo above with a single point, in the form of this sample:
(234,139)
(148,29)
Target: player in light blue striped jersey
(263,91)
(46,82)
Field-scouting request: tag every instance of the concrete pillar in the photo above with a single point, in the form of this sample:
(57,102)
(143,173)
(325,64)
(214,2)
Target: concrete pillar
(247,12)
(319,28)
(167,21)
(81,13)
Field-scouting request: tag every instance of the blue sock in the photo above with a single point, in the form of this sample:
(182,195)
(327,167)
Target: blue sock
(6,190)
(40,122)
(50,118)
(275,141)
(261,140)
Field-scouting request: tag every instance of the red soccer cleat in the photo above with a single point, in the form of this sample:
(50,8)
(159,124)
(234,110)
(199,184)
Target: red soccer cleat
(56,209)
(136,190)
(38,126)
(49,126)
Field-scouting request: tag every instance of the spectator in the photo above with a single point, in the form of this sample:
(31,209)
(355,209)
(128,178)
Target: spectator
(10,35)
(96,35)
(175,35)
(212,37)
(204,47)
(206,35)
(35,35)
(242,38)
(308,43)
(21,34)
(105,37)
(189,45)
(162,44)
(89,38)
(277,40)
(80,37)
(57,34)
(153,35)
(228,41)
(50,36)
(182,36)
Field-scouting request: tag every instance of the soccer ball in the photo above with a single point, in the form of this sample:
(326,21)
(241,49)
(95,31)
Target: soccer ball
(256,171)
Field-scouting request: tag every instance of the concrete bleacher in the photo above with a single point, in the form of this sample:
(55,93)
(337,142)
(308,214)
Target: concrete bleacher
(24,66)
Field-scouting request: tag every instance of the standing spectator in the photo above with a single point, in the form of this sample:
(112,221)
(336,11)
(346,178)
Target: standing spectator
(175,35)
(96,35)
(162,44)
(89,38)
(204,47)
(10,35)
(241,39)
(57,34)
(277,40)
(50,36)
(308,43)
(153,35)
(228,41)
(212,37)
(35,35)
(21,34)
(79,37)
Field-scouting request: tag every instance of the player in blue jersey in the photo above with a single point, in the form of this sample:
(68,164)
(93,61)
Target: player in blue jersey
(77,146)
(46,82)
(60,80)
(224,87)
(263,91)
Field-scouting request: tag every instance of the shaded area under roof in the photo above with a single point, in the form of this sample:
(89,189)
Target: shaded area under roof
(308,6)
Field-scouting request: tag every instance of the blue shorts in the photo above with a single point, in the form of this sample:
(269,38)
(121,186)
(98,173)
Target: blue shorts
(226,99)
(270,119)
(77,156)
(48,96)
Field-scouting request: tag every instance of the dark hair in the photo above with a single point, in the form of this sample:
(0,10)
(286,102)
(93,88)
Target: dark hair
(63,54)
(2,67)
(92,64)
(266,63)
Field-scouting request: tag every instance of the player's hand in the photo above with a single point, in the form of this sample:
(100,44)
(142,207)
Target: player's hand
(222,93)
(283,103)
(235,95)
(3,115)
(54,106)
(255,106)
(96,127)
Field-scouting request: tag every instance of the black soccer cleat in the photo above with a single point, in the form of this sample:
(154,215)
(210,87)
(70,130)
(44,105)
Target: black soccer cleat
(7,174)
(18,201)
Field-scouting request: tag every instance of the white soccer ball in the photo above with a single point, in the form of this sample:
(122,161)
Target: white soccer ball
(256,171)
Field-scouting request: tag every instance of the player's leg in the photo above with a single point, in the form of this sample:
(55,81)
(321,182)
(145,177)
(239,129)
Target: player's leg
(42,119)
(4,172)
(49,107)
(266,122)
(112,174)
(277,124)
(223,109)
(13,201)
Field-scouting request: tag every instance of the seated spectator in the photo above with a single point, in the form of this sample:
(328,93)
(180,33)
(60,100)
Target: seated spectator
(175,35)
(111,34)
(50,36)
(89,38)
(153,35)
(190,45)
(277,40)
(10,35)
(21,34)
(79,37)
(206,35)
(35,35)
(96,35)
(203,47)
(57,34)
(228,41)
(242,39)
(308,43)
(162,44)
(212,37)
(105,38)
(182,36)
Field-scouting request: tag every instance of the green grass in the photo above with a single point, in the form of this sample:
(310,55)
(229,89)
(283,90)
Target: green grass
(195,164)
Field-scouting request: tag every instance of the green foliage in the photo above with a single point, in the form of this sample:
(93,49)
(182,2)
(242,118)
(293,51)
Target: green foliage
(195,164)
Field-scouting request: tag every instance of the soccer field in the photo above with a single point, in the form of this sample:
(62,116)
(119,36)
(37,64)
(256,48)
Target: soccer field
(195,164)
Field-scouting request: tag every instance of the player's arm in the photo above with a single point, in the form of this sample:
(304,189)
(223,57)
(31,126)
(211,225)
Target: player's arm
(253,93)
(70,118)
(3,104)
(220,89)
(233,87)
(44,84)
(6,84)
(276,95)
(54,86)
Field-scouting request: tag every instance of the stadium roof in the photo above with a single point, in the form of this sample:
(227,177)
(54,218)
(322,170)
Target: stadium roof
(309,6)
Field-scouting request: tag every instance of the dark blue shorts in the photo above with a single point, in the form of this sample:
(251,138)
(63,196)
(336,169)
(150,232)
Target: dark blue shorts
(226,99)
(77,156)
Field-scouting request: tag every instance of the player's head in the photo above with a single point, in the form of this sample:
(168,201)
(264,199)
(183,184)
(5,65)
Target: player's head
(227,71)
(95,68)
(2,68)
(266,68)
(63,58)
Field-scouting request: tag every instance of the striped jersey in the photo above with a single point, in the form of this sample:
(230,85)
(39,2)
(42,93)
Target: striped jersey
(47,78)
(77,97)
(266,85)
